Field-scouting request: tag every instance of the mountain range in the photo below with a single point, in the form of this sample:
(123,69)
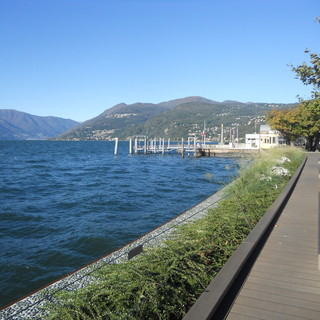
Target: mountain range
(173,119)
(17,125)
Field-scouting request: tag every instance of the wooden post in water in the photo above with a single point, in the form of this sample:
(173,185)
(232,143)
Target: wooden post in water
(222,139)
(151,144)
(116,146)
(195,146)
(130,145)
(182,150)
(163,146)
(145,145)
(136,145)
(155,145)
(168,147)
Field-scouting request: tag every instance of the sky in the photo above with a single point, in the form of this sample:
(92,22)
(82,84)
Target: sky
(76,58)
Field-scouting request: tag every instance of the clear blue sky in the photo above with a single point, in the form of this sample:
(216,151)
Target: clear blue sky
(76,58)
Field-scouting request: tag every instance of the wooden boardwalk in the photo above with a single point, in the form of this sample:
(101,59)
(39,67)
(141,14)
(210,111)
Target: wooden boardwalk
(284,282)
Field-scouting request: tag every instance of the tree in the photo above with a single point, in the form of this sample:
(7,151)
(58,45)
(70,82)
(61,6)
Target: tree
(310,74)
(301,121)
(304,120)
(309,120)
(283,121)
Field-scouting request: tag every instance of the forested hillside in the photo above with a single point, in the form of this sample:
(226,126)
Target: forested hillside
(16,125)
(173,119)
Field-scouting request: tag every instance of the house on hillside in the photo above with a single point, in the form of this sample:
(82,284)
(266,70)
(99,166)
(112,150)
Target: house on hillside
(265,139)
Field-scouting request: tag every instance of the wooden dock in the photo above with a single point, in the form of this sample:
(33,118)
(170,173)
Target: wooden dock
(144,145)
(284,282)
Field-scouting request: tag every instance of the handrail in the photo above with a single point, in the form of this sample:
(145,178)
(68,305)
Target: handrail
(218,297)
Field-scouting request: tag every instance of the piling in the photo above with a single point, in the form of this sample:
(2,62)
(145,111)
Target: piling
(145,145)
(222,138)
(182,146)
(116,146)
(136,145)
(130,146)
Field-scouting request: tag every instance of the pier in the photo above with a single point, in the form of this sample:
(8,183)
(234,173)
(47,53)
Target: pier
(143,144)
(189,147)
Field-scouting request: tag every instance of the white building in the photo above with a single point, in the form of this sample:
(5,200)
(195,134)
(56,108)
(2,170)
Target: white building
(265,139)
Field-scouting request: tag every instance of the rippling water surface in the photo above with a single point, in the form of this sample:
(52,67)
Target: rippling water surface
(64,204)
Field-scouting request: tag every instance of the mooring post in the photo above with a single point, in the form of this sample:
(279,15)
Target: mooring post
(116,146)
(136,145)
(130,145)
(145,145)
(182,145)
(155,145)
(163,146)
(222,138)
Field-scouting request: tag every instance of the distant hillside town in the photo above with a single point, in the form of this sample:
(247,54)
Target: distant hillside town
(174,119)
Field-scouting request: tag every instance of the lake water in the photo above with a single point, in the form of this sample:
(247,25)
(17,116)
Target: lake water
(64,204)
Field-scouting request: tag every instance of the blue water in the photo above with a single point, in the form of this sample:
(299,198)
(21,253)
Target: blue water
(64,204)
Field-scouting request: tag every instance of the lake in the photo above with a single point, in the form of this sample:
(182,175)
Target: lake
(66,203)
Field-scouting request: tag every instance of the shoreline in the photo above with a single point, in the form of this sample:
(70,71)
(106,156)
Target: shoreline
(30,306)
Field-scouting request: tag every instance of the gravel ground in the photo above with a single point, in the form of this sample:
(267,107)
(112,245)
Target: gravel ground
(31,306)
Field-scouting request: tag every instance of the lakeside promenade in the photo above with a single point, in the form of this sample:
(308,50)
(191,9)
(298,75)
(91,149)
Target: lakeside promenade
(284,282)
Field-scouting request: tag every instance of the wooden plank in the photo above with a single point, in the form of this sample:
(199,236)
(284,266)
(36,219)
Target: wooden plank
(292,250)
(284,277)
(278,257)
(260,313)
(238,316)
(301,288)
(293,265)
(293,272)
(281,291)
(307,242)
(278,307)
(289,268)
(275,297)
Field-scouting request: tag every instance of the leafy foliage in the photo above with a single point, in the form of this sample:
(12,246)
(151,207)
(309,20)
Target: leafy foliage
(164,282)
(302,121)
(310,74)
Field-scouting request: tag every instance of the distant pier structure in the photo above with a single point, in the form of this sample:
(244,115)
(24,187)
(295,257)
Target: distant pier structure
(142,144)
(189,147)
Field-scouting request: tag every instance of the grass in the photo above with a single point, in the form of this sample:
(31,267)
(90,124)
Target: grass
(164,282)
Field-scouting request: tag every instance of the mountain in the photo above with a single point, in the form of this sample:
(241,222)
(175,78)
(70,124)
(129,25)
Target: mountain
(189,119)
(173,103)
(173,119)
(17,125)
(114,120)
